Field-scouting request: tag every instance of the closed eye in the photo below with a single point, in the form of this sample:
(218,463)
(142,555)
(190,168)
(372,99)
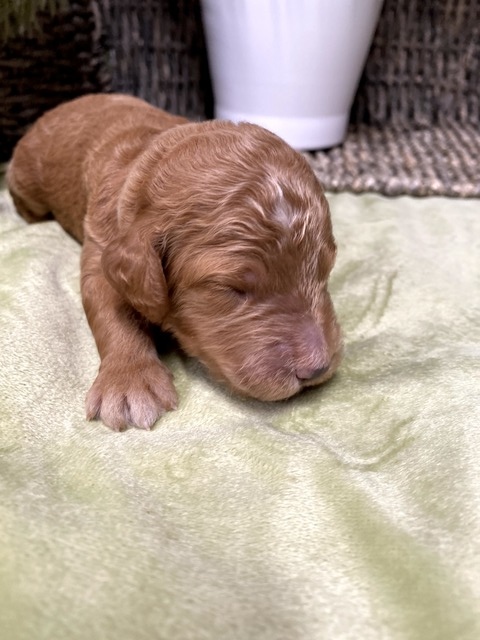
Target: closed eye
(233,293)
(240,293)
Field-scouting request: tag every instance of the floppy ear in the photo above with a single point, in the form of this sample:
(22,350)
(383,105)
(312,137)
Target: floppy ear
(134,269)
(131,261)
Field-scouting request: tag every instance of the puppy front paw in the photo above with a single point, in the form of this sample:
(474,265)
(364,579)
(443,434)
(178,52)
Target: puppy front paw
(134,394)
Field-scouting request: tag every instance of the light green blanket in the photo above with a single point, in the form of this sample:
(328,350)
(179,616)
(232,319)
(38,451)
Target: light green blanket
(350,512)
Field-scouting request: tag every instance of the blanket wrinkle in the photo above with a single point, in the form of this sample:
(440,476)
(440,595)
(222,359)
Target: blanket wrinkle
(350,511)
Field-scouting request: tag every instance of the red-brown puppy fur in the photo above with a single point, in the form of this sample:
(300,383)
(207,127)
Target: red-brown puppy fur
(216,232)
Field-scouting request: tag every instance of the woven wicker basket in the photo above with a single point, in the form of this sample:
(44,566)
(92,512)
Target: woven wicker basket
(424,65)
(415,123)
(157,52)
(63,58)
(152,48)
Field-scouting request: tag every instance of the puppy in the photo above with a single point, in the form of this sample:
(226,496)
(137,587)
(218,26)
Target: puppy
(217,232)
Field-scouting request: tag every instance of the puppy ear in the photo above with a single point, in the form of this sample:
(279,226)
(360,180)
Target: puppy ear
(134,269)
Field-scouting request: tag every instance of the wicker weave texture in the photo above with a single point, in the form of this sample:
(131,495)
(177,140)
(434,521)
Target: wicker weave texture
(63,59)
(424,65)
(439,160)
(157,52)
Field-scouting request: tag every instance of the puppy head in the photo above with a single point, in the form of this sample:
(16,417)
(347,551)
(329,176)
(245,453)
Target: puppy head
(231,252)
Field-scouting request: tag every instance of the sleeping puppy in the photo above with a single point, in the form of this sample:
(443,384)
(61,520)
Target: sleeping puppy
(217,232)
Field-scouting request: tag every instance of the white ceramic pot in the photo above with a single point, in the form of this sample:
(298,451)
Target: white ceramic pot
(292,66)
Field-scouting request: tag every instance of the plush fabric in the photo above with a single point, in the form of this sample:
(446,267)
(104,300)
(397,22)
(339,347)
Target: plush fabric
(351,511)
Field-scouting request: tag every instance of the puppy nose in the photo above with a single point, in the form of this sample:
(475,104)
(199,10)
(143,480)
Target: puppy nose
(310,374)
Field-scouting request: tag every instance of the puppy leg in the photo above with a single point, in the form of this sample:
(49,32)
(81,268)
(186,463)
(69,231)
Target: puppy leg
(26,192)
(132,387)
